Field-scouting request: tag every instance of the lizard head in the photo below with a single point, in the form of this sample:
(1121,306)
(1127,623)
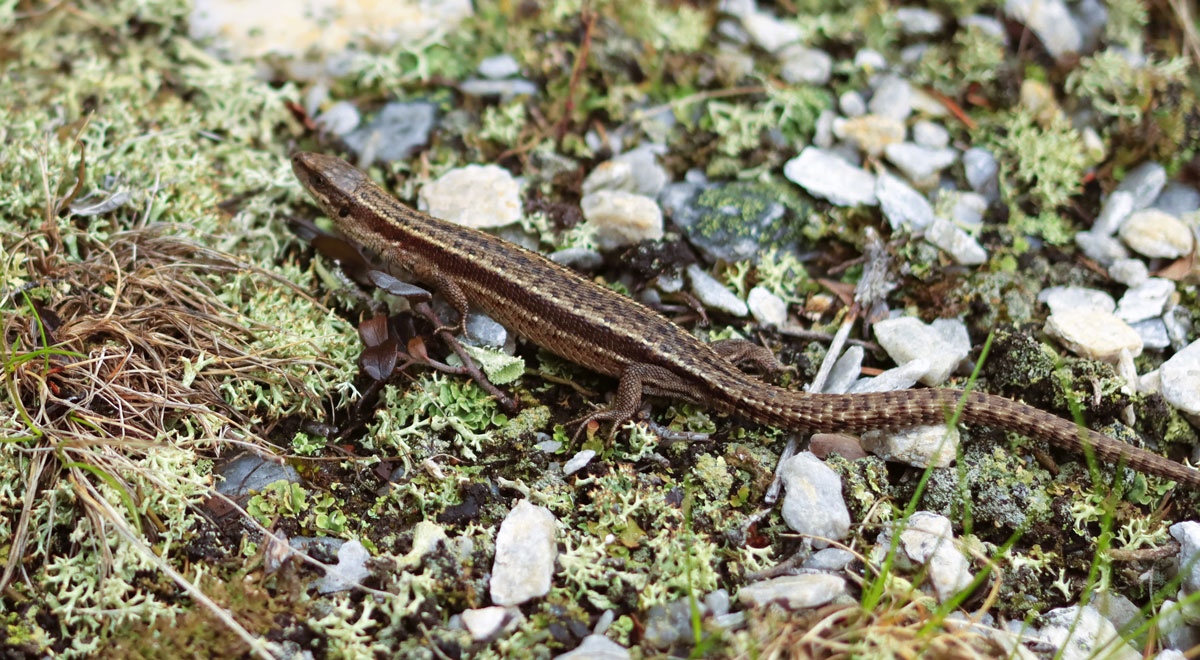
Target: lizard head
(329,179)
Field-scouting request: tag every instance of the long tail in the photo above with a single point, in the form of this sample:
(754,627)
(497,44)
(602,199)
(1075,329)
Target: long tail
(904,408)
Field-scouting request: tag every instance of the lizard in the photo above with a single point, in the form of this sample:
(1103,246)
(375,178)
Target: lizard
(609,333)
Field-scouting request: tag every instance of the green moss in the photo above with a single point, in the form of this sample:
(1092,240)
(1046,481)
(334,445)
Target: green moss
(1118,89)
(1041,165)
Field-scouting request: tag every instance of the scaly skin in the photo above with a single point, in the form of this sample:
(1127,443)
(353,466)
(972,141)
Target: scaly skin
(595,327)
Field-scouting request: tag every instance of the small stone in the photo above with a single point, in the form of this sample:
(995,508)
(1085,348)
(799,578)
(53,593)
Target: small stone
(825,175)
(870,133)
(1080,633)
(899,378)
(1113,213)
(578,258)
(927,539)
(1153,233)
(829,559)
(620,218)
(851,104)
(1130,272)
(901,204)
(635,171)
(341,118)
(1153,333)
(1051,21)
(813,503)
(960,245)
(482,330)
(1147,300)
(982,172)
(1187,533)
(712,293)
(1094,334)
(823,130)
(870,60)
(1178,199)
(596,647)
(768,32)
(351,568)
(920,164)
(499,66)
(944,343)
(795,592)
(525,554)
(767,308)
(1179,380)
(505,89)
(892,99)
(919,446)
(988,24)
(930,134)
(250,472)
(717,602)
(801,65)
(919,21)
(476,196)
(911,55)
(578,461)
(1144,182)
(845,371)
(395,133)
(1066,299)
(968,208)
(484,622)
(1100,248)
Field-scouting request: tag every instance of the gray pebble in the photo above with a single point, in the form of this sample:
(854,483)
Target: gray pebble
(813,501)
(901,204)
(1064,299)
(982,172)
(1179,379)
(1147,300)
(930,134)
(1099,248)
(395,133)
(960,245)
(919,163)
(767,308)
(712,293)
(892,98)
(1051,21)
(341,118)
(1113,212)
(919,21)
(505,89)
(499,66)
(801,65)
(1130,272)
(1178,199)
(1144,182)
(851,104)
(525,555)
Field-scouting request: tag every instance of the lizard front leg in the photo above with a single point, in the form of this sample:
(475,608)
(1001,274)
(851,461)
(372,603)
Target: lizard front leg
(629,395)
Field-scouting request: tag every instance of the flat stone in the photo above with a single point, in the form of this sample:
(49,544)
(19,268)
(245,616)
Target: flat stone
(826,176)
(1179,380)
(525,555)
(1144,183)
(795,592)
(767,308)
(943,344)
(902,205)
(1153,233)
(1094,334)
(711,293)
(920,164)
(813,503)
(960,245)
(475,196)
(621,218)
(919,446)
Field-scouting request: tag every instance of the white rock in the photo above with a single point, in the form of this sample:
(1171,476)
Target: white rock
(1130,272)
(769,32)
(870,60)
(484,622)
(930,134)
(1154,233)
(851,104)
(1100,248)
(919,21)
(901,204)
(1082,634)
(1051,21)
(578,461)
(1094,334)
(636,171)
(622,218)
(1153,333)
(1148,299)
(350,570)
(1113,213)
(956,242)
(892,98)
(794,591)
(1063,299)
(1187,533)
(919,446)
(899,378)
(825,175)
(968,208)
(499,66)
(1179,380)
(845,371)
(1144,182)
(919,163)
(870,133)
(713,294)
(982,171)
(813,503)
(525,554)
(476,196)
(767,308)
(803,65)
(596,647)
(928,540)
(944,344)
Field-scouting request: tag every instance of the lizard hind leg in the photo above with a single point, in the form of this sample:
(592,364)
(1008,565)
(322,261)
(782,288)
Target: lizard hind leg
(742,352)
(628,399)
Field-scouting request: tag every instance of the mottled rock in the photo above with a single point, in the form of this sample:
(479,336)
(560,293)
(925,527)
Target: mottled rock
(476,196)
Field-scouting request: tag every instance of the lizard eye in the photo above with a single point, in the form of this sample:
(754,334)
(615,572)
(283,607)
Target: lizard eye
(344,211)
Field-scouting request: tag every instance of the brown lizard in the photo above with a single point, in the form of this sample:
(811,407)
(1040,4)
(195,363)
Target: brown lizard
(573,317)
